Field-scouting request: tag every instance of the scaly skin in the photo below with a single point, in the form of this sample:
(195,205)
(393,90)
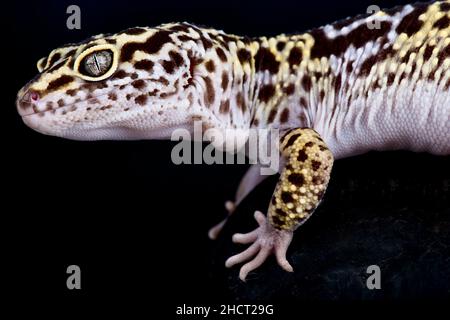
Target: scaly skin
(378,82)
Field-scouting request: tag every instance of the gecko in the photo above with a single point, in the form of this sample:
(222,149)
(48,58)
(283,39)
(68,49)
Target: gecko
(378,81)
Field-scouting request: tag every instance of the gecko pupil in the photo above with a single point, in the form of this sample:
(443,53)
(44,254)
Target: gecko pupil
(97,63)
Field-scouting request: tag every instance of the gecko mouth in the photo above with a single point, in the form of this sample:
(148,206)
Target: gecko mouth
(62,107)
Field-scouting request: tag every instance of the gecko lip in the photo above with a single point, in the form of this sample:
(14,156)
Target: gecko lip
(36,112)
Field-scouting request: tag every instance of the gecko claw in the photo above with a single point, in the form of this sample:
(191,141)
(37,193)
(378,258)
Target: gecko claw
(265,241)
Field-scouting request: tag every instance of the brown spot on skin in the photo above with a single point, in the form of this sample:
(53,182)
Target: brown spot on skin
(176,61)
(138,84)
(255,122)
(240,101)
(49,105)
(315,165)
(303,102)
(162,80)
(302,118)
(71,92)
(325,47)
(185,38)
(371,61)
(349,67)
(151,46)
(286,197)
(295,57)
(207,44)
(447,84)
(60,102)
(153,93)
(309,144)
(106,107)
(272,115)
(266,92)
(390,79)
(292,140)
(111,41)
(177,58)
(120,74)
(280,212)
(281,45)
(112,96)
(59,82)
(243,56)
(128,96)
(133,31)
(284,116)
(144,64)
(224,106)
(302,156)
(210,67)
(278,223)
(442,23)
(141,99)
(182,27)
(411,23)
(225,80)
(169,66)
(265,60)
(209,94)
(306,83)
(322,95)
(296,179)
(428,52)
(337,83)
(221,54)
(289,90)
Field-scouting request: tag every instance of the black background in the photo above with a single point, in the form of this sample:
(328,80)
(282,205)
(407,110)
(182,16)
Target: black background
(134,222)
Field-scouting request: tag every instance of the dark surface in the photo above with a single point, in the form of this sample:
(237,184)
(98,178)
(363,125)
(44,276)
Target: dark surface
(383,217)
(137,225)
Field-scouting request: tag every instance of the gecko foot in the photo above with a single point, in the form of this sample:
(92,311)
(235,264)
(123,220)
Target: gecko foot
(213,233)
(265,240)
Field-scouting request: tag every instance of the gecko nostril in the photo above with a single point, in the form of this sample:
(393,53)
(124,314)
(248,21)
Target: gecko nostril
(34,96)
(27,100)
(30,96)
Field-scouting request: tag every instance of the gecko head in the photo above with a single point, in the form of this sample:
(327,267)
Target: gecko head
(138,83)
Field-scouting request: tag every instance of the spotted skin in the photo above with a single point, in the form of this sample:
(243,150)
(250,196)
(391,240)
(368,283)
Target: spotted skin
(373,82)
(303,180)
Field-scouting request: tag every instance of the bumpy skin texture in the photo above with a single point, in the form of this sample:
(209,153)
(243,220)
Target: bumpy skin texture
(377,82)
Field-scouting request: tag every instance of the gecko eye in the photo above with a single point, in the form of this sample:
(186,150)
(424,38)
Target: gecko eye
(96,63)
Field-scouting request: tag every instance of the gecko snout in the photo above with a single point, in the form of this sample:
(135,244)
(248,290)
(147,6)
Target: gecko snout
(26,100)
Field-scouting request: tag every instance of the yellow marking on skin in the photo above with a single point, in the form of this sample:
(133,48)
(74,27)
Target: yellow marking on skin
(309,169)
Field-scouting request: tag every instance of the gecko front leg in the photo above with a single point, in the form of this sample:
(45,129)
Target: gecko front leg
(301,186)
(251,179)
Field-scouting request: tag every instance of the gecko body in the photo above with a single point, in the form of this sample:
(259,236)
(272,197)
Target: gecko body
(374,82)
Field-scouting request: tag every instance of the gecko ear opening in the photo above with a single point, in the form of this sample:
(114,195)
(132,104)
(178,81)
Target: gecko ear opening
(41,64)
